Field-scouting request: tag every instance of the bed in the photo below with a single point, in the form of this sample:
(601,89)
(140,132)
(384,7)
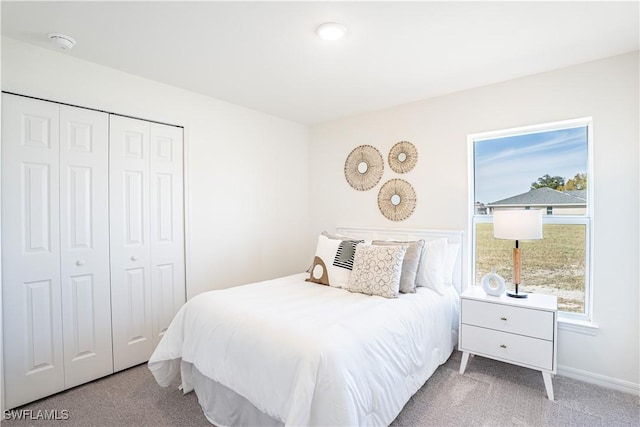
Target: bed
(292,352)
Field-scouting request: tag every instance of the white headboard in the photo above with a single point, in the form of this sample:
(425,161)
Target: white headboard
(373,233)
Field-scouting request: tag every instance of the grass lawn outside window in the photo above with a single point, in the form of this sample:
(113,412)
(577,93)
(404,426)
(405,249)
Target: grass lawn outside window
(554,265)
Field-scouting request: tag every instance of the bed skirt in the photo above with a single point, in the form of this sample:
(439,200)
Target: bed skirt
(222,406)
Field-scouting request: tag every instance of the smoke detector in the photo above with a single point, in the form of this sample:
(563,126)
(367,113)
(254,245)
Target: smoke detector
(62,41)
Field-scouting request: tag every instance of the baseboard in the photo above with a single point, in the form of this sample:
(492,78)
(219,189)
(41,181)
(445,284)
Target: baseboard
(601,380)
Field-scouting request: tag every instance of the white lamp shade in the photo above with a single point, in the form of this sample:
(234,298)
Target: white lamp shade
(517,224)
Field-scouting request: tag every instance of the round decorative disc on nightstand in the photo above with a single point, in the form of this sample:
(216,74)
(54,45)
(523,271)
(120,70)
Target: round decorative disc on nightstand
(493,284)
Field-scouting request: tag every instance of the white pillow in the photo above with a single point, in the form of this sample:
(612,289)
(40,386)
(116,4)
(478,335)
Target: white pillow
(450,262)
(431,272)
(332,262)
(377,270)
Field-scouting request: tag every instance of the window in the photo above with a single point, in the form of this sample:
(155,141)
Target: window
(544,167)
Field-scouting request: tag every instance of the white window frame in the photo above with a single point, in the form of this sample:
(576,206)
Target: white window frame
(576,319)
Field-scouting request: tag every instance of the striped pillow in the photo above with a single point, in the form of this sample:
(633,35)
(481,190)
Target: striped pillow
(333,261)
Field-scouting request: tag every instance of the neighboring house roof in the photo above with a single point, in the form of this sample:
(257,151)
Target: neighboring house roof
(545,196)
(578,193)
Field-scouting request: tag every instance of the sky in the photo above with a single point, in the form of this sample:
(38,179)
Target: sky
(507,166)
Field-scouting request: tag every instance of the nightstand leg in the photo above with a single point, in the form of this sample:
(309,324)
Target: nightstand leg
(463,364)
(548,384)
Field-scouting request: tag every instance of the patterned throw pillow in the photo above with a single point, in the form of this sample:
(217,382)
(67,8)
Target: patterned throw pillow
(377,270)
(332,262)
(409,265)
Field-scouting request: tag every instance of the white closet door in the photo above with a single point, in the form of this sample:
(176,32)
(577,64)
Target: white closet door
(132,314)
(84,239)
(33,353)
(167,230)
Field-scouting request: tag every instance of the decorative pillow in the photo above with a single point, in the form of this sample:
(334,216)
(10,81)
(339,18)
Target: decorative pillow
(450,262)
(431,270)
(409,265)
(333,262)
(377,270)
(333,237)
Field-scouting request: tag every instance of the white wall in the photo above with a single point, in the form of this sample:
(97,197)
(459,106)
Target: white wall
(248,175)
(607,90)
(246,172)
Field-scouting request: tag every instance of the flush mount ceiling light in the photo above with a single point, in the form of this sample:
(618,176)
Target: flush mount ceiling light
(331,31)
(62,41)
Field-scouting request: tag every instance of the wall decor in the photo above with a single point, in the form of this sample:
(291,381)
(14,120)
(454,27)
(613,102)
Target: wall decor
(493,284)
(397,199)
(403,157)
(363,167)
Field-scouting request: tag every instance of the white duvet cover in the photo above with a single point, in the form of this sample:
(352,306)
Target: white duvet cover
(308,354)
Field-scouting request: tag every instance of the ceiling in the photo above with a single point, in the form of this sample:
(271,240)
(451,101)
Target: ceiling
(266,56)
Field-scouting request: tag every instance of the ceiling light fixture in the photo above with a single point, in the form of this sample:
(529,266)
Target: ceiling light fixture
(62,41)
(331,31)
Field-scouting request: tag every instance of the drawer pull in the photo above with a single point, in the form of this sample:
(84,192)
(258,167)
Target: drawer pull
(503,318)
(503,346)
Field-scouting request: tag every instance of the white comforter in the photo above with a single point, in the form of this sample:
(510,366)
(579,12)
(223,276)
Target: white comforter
(308,354)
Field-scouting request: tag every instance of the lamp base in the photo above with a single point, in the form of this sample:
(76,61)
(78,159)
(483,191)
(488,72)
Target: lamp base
(517,295)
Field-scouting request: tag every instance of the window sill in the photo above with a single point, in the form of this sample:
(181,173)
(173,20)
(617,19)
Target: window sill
(579,326)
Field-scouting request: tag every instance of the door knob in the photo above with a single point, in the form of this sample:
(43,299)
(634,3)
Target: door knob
(134,258)
(80,262)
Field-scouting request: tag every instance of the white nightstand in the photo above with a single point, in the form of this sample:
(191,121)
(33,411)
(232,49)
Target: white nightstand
(521,331)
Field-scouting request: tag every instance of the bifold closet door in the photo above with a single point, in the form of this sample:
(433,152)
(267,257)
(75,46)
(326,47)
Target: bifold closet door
(147,235)
(132,311)
(55,248)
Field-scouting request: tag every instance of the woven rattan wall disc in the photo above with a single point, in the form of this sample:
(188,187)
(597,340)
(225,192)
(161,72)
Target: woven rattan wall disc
(403,157)
(363,167)
(397,199)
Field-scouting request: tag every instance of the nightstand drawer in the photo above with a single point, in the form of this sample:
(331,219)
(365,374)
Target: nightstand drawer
(507,318)
(533,352)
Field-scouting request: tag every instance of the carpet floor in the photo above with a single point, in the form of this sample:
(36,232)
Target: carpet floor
(490,393)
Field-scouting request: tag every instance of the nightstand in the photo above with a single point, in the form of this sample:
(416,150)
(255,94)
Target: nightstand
(520,331)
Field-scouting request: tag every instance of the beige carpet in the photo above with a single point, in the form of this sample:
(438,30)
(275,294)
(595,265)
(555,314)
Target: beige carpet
(490,393)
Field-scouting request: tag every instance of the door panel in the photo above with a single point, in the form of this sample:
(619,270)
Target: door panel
(39,313)
(32,310)
(36,196)
(130,243)
(80,191)
(138,307)
(134,207)
(84,319)
(84,238)
(165,202)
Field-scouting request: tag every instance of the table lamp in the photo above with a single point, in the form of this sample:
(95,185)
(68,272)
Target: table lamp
(517,225)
